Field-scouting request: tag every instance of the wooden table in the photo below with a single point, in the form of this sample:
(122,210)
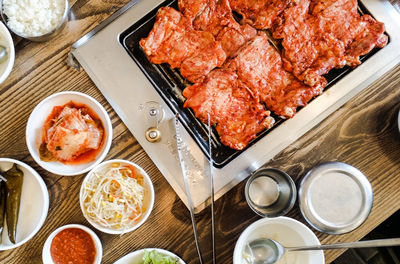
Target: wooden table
(363,133)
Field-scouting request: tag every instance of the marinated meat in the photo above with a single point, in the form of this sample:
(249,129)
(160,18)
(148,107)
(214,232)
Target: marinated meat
(199,64)
(232,38)
(297,36)
(285,100)
(172,40)
(237,115)
(367,39)
(318,36)
(260,67)
(72,134)
(215,16)
(168,30)
(192,8)
(260,13)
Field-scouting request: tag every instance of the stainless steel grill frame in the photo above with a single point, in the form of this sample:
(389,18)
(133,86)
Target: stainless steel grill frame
(127,89)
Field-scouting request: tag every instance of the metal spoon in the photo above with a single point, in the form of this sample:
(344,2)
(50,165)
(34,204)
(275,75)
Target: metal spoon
(268,251)
(3,54)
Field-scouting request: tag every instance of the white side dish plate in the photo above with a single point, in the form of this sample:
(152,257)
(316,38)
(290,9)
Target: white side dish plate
(6,41)
(38,117)
(288,232)
(136,256)
(34,205)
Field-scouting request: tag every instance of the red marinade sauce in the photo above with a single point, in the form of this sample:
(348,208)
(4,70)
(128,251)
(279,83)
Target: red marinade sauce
(73,245)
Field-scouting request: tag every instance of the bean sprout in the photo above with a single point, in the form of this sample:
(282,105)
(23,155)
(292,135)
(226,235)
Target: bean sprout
(113,197)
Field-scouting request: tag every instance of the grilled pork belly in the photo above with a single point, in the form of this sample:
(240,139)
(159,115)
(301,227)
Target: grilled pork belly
(260,67)
(260,13)
(173,40)
(215,16)
(318,36)
(237,115)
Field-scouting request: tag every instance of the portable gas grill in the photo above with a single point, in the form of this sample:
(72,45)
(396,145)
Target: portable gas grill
(169,84)
(146,96)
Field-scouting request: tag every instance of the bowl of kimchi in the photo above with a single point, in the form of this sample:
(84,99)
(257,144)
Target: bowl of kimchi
(68,133)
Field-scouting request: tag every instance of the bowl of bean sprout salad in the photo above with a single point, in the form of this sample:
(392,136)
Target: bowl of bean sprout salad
(116,196)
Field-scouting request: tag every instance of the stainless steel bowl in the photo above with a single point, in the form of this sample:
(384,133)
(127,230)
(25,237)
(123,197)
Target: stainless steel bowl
(46,36)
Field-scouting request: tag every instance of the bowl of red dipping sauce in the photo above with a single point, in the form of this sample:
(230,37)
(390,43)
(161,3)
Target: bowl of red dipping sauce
(72,244)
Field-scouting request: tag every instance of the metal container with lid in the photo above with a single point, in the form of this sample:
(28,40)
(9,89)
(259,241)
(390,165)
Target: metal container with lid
(335,197)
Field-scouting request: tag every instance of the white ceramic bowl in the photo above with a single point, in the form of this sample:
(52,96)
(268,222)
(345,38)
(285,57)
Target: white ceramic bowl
(34,204)
(137,256)
(38,117)
(148,185)
(288,232)
(46,255)
(6,40)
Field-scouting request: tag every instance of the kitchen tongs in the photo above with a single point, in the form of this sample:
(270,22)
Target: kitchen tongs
(211,190)
(179,143)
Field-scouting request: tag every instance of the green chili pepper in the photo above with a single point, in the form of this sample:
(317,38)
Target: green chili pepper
(2,206)
(15,178)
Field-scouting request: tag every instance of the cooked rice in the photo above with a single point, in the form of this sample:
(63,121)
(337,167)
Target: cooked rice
(33,18)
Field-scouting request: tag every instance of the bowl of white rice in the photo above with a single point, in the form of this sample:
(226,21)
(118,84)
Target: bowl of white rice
(36,20)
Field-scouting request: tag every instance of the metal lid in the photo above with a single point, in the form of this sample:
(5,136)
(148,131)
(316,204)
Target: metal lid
(335,198)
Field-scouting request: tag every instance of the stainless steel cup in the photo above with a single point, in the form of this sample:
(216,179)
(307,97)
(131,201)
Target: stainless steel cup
(270,192)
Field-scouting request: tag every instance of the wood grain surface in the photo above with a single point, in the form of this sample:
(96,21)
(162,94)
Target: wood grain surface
(363,133)
(396,4)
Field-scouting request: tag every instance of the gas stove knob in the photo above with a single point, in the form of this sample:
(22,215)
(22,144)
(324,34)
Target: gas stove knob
(153,135)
